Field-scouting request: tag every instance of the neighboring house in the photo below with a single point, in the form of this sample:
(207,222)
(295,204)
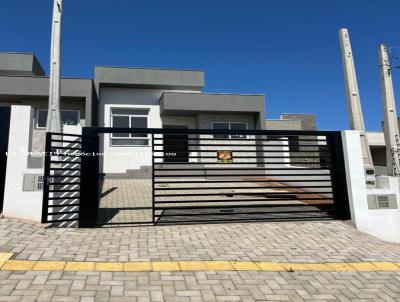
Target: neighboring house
(23,82)
(296,121)
(23,85)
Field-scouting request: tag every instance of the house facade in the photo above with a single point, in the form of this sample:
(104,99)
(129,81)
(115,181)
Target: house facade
(160,98)
(115,97)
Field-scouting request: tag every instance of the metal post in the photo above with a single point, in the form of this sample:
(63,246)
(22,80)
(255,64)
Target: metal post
(152,180)
(53,115)
(46,178)
(338,175)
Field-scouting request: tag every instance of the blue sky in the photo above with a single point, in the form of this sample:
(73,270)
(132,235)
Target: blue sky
(287,50)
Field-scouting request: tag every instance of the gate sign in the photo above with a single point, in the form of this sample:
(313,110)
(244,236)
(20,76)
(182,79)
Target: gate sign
(225,157)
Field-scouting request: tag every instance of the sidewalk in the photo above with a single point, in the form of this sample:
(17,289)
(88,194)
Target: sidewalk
(312,243)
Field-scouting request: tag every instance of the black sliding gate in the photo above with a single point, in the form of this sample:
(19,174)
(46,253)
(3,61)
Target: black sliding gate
(201,176)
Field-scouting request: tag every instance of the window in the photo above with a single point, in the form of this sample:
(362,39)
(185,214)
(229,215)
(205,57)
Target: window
(68,117)
(129,118)
(229,126)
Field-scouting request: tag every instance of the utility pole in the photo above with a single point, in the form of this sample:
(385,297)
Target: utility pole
(53,115)
(391,127)
(354,104)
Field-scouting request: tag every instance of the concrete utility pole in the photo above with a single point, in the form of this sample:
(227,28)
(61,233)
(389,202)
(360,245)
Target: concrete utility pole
(53,116)
(354,104)
(391,127)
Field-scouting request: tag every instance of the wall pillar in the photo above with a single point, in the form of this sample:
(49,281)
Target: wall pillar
(18,203)
(381,223)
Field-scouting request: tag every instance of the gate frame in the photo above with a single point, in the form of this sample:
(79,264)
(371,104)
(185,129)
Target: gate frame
(90,180)
(90,164)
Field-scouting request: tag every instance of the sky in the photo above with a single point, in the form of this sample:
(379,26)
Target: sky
(287,50)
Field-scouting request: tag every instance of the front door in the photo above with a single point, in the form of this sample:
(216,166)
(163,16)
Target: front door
(176,148)
(4,130)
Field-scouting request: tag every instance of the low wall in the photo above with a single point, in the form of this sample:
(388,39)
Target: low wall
(19,203)
(381,223)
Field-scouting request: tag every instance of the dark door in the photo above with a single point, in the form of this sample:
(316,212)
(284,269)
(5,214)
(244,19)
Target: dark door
(176,148)
(4,129)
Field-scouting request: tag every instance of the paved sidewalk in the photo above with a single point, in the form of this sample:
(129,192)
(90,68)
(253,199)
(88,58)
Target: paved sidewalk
(198,286)
(328,241)
(312,242)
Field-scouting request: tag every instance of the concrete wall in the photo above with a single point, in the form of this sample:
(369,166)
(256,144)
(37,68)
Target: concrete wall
(121,159)
(283,125)
(189,121)
(178,103)
(308,121)
(17,203)
(20,88)
(149,78)
(20,64)
(38,135)
(381,223)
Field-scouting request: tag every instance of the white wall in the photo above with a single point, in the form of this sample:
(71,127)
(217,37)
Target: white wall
(120,159)
(381,223)
(17,203)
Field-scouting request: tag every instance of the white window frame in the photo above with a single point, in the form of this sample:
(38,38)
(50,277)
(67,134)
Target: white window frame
(130,137)
(78,112)
(229,123)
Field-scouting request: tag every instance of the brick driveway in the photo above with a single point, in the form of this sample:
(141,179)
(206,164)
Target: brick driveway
(330,241)
(129,201)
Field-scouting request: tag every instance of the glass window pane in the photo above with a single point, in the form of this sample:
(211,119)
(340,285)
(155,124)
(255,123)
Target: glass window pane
(120,122)
(238,126)
(69,117)
(41,118)
(129,142)
(221,126)
(138,122)
(128,111)
(218,126)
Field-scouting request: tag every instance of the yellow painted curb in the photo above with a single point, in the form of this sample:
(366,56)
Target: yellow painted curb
(143,266)
(316,267)
(271,266)
(386,266)
(192,265)
(137,266)
(5,256)
(244,266)
(49,266)
(363,266)
(293,266)
(219,266)
(79,266)
(109,266)
(339,267)
(18,265)
(166,266)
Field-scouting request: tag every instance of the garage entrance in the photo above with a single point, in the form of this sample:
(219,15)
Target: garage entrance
(224,176)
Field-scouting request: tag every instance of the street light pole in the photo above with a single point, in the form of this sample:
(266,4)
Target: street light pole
(53,116)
